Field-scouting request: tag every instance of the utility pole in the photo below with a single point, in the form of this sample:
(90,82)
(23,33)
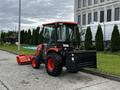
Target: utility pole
(19,25)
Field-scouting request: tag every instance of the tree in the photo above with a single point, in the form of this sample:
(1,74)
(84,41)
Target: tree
(99,39)
(88,39)
(40,38)
(11,37)
(3,35)
(115,39)
(34,37)
(29,37)
(78,39)
(25,37)
(22,37)
(37,35)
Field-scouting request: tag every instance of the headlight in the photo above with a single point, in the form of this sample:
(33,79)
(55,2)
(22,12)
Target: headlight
(73,59)
(65,45)
(72,55)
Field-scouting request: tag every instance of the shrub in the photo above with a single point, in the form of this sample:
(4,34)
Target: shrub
(115,39)
(78,39)
(88,39)
(99,39)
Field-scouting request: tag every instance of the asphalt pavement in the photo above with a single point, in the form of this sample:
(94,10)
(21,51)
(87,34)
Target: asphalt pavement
(16,77)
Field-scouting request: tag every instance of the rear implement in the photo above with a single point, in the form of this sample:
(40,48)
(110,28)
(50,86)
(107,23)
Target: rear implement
(24,59)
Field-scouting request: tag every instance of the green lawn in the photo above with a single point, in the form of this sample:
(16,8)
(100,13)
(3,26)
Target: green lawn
(107,62)
(13,48)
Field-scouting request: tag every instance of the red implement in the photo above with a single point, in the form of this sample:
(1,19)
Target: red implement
(22,59)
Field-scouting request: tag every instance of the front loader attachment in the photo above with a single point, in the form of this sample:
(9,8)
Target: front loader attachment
(81,59)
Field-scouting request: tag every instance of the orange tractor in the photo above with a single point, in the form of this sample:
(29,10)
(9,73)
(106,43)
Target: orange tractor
(59,49)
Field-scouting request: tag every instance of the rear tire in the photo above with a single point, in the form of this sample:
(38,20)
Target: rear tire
(35,62)
(54,64)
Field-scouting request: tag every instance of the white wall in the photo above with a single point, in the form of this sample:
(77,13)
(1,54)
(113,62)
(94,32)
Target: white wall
(107,27)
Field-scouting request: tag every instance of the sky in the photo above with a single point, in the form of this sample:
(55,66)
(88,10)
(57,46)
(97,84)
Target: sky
(34,12)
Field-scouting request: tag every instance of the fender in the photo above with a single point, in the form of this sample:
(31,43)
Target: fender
(53,50)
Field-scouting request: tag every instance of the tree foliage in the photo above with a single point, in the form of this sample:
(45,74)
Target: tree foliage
(29,37)
(78,39)
(88,39)
(99,39)
(22,37)
(37,35)
(3,35)
(115,39)
(40,38)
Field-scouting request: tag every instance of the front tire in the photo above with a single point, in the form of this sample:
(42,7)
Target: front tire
(35,62)
(54,64)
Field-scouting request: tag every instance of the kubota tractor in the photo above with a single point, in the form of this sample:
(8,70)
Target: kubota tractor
(59,49)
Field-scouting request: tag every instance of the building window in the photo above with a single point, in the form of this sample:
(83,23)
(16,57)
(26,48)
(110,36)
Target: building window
(89,18)
(95,1)
(95,16)
(89,2)
(84,3)
(84,19)
(109,15)
(102,0)
(79,3)
(79,19)
(117,14)
(101,16)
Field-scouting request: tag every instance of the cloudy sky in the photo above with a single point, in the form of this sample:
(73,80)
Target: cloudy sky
(34,12)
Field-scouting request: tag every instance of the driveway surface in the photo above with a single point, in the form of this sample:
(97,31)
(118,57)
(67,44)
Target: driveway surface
(16,77)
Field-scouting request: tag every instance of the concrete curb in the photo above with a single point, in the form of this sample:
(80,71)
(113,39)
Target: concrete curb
(111,77)
(10,52)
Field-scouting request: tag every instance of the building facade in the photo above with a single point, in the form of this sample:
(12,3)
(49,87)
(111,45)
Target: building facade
(95,12)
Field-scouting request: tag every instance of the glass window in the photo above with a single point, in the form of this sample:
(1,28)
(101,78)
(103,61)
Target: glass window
(89,18)
(79,19)
(49,34)
(84,3)
(95,1)
(66,33)
(109,15)
(79,3)
(89,2)
(95,16)
(84,19)
(117,14)
(101,16)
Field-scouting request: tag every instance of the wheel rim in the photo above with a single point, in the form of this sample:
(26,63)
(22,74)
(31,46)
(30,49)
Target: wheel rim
(33,63)
(50,64)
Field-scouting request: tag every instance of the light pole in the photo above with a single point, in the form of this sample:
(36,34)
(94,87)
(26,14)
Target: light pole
(19,25)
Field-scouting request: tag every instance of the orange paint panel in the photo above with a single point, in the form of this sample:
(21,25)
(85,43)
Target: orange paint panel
(53,49)
(24,58)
